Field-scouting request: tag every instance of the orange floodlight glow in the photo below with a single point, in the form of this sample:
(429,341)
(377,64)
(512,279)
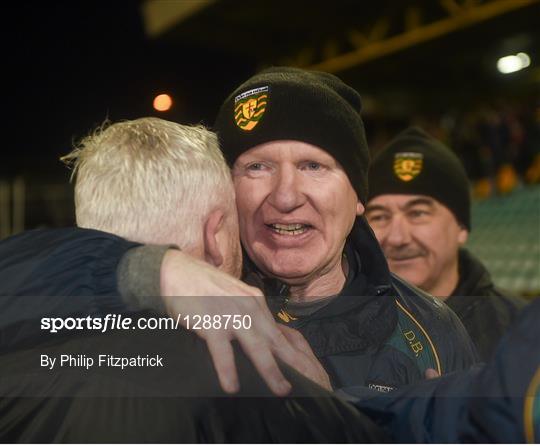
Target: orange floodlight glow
(162,102)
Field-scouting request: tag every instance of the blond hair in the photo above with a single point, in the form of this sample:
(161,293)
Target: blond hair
(150,180)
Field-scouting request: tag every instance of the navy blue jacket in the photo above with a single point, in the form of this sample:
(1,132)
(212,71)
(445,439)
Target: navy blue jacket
(56,273)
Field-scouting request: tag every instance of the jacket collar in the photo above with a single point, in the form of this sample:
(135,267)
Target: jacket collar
(368,258)
(473,275)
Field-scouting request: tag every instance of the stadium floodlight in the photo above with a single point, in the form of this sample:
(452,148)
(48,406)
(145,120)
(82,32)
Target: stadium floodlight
(513,63)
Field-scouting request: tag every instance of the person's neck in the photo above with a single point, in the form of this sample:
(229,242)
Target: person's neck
(444,288)
(327,284)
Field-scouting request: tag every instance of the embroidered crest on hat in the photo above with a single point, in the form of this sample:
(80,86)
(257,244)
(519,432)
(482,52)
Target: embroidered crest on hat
(407,165)
(249,107)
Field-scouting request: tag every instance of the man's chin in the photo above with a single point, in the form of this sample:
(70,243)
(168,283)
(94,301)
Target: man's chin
(291,273)
(285,264)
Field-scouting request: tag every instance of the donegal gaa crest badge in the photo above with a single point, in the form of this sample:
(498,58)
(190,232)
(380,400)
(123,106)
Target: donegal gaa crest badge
(249,107)
(407,165)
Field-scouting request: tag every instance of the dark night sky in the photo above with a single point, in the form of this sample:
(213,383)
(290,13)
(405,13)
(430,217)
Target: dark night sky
(71,65)
(67,66)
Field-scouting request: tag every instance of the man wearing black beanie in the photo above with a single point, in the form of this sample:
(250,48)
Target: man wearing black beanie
(419,208)
(296,144)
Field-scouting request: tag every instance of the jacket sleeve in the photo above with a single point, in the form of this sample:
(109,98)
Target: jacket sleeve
(455,346)
(58,273)
(431,411)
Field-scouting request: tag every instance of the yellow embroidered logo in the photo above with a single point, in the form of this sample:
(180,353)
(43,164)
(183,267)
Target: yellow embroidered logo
(416,345)
(407,165)
(285,317)
(249,107)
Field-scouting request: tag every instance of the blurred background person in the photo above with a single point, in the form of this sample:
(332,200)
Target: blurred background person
(419,208)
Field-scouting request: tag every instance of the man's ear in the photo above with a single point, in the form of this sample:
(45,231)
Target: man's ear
(359,208)
(463,235)
(211,228)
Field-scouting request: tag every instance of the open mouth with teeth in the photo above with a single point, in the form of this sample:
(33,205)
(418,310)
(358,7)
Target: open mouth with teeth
(291,229)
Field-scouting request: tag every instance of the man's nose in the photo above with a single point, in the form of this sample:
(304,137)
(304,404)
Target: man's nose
(399,233)
(286,194)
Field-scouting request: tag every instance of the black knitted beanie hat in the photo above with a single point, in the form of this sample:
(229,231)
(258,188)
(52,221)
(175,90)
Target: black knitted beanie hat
(283,103)
(414,163)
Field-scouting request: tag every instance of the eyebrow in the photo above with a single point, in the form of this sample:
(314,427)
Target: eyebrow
(417,202)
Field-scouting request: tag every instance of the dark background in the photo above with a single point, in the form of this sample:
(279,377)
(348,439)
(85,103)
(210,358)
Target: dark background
(70,65)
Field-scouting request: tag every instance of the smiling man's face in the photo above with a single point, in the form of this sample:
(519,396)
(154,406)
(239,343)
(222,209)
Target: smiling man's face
(296,207)
(420,238)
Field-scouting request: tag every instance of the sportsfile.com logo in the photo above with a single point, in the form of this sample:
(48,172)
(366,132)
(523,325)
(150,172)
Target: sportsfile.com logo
(108,322)
(122,322)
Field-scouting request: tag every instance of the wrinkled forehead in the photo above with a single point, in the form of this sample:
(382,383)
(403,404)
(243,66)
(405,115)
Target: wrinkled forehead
(401,202)
(288,150)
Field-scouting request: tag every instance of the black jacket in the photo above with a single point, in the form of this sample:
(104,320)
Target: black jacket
(71,272)
(485,310)
(380,331)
